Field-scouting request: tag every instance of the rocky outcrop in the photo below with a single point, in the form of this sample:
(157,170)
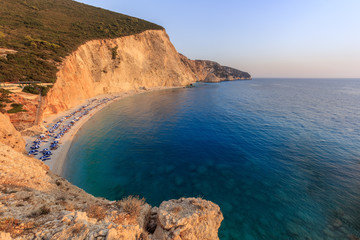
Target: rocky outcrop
(9,136)
(128,63)
(211,78)
(209,71)
(188,219)
(4,52)
(37,204)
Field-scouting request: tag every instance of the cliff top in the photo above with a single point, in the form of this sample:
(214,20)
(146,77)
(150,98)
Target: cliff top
(43,32)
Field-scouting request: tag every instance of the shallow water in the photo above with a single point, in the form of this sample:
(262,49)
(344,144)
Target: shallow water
(280,156)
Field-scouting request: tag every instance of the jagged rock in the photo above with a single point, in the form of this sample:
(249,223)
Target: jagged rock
(152,220)
(81,217)
(129,232)
(211,78)
(77,231)
(9,135)
(188,219)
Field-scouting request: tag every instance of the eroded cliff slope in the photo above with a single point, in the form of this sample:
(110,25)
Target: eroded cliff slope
(145,60)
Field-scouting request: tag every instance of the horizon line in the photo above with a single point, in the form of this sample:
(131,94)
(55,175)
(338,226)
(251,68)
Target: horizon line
(312,77)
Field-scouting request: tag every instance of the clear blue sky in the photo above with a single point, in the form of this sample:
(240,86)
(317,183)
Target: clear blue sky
(278,38)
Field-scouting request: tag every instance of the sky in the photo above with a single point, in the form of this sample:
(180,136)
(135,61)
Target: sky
(277,38)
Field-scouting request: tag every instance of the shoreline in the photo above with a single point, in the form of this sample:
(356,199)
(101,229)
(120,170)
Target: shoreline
(58,157)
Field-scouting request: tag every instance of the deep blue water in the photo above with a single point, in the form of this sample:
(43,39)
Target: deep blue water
(280,156)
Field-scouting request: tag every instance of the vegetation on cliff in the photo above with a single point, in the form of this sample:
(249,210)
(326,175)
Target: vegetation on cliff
(4,99)
(36,89)
(45,31)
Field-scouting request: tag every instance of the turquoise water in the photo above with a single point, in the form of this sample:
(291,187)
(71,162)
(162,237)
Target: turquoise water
(280,156)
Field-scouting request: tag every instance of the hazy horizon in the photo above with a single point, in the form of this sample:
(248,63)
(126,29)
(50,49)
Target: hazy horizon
(287,39)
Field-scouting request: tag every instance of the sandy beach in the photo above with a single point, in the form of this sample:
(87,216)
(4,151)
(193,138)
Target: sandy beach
(58,157)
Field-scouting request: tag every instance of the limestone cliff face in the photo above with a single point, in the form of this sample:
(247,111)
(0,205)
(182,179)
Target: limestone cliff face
(37,204)
(146,60)
(128,63)
(9,135)
(209,71)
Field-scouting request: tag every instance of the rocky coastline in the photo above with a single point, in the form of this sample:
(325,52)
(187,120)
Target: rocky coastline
(38,204)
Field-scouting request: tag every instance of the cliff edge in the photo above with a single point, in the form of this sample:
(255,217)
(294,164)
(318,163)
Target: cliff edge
(37,204)
(9,135)
(144,60)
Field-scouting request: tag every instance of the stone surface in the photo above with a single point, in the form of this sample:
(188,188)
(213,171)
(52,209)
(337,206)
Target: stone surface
(211,78)
(188,219)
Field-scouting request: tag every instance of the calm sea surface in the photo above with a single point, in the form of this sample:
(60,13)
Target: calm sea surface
(280,156)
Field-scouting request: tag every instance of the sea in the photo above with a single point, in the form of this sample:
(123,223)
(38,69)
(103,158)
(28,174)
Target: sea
(281,157)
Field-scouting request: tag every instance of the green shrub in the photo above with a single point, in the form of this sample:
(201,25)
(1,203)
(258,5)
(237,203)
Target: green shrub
(114,52)
(44,90)
(131,205)
(33,89)
(4,95)
(2,110)
(16,107)
(4,91)
(36,89)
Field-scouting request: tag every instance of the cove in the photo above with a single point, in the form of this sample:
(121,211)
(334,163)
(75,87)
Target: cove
(281,157)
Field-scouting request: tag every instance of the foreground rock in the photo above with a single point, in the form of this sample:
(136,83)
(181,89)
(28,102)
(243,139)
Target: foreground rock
(36,204)
(188,219)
